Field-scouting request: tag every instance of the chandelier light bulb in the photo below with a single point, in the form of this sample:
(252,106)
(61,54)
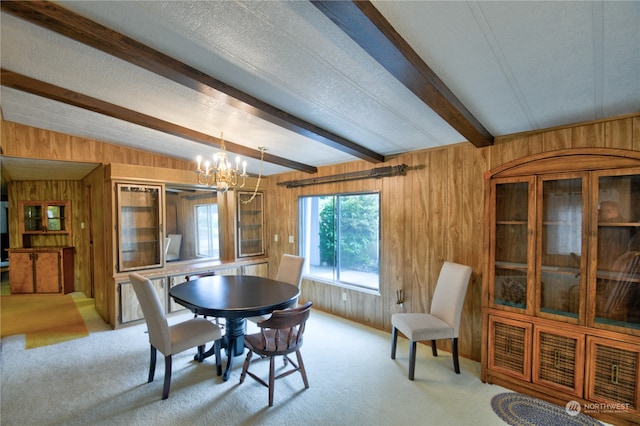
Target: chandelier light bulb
(221,174)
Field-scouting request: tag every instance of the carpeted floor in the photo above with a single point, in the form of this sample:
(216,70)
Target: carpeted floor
(102,380)
(44,319)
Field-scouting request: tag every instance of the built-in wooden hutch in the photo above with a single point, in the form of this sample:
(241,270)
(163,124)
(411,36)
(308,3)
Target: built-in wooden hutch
(151,208)
(561,308)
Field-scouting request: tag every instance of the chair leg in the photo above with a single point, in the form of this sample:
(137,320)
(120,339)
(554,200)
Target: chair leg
(216,347)
(200,356)
(434,348)
(245,367)
(394,342)
(152,364)
(167,376)
(454,346)
(272,380)
(302,370)
(412,359)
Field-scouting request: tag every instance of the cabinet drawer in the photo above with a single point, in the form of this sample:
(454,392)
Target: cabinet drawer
(558,360)
(510,347)
(612,372)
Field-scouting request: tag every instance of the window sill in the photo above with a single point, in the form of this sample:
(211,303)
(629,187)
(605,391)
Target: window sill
(339,284)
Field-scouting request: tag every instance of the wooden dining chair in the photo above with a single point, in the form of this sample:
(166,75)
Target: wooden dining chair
(281,334)
(170,340)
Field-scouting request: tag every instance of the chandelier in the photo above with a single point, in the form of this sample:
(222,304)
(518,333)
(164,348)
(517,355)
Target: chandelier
(221,174)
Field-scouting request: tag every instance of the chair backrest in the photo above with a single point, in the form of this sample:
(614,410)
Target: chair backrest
(159,335)
(448,297)
(628,266)
(289,326)
(290,269)
(196,276)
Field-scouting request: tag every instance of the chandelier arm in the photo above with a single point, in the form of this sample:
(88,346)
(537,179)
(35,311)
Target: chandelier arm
(255,191)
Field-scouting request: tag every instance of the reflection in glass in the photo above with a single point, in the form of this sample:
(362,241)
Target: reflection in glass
(618,251)
(561,246)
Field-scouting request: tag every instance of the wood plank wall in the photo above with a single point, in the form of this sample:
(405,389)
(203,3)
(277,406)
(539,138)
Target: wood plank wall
(433,214)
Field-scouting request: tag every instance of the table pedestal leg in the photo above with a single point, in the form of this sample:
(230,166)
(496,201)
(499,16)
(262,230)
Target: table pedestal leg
(233,342)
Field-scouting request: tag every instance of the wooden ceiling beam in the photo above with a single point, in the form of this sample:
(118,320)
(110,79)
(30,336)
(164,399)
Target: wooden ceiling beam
(60,20)
(361,21)
(59,94)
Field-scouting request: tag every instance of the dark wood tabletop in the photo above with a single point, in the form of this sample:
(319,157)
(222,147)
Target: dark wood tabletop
(234,296)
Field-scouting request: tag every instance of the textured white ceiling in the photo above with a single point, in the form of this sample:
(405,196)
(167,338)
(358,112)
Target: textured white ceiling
(517,66)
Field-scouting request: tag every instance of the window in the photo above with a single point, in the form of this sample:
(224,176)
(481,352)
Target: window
(207,238)
(340,238)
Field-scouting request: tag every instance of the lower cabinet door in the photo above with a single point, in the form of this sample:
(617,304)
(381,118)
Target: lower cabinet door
(558,359)
(612,373)
(510,347)
(130,309)
(174,281)
(47,271)
(21,274)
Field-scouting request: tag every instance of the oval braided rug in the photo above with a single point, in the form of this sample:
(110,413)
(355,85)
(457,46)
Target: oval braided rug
(523,410)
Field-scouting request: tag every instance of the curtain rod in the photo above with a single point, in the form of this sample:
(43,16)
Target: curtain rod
(376,173)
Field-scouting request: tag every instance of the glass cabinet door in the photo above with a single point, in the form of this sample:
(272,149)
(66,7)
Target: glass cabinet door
(56,219)
(33,220)
(140,231)
(512,201)
(561,248)
(250,221)
(617,254)
(44,216)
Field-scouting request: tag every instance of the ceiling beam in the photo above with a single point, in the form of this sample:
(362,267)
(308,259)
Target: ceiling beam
(60,20)
(59,94)
(361,21)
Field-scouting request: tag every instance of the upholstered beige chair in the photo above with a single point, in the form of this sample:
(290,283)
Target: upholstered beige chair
(173,339)
(443,321)
(281,334)
(172,251)
(289,271)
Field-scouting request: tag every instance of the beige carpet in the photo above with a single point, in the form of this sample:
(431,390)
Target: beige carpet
(102,380)
(43,319)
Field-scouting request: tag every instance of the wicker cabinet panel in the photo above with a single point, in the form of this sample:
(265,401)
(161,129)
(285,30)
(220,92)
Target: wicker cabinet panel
(510,347)
(558,360)
(612,373)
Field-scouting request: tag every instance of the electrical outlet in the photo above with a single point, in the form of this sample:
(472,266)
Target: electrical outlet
(344,296)
(275,238)
(291,239)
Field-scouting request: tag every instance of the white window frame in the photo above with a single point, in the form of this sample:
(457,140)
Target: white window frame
(309,237)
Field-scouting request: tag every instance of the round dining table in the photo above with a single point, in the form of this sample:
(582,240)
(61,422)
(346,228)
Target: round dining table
(234,298)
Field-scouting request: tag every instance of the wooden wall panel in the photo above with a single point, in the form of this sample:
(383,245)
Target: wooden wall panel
(435,213)
(24,141)
(96,218)
(72,191)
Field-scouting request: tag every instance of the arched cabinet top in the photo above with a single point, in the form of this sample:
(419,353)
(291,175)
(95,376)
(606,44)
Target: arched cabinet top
(567,160)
